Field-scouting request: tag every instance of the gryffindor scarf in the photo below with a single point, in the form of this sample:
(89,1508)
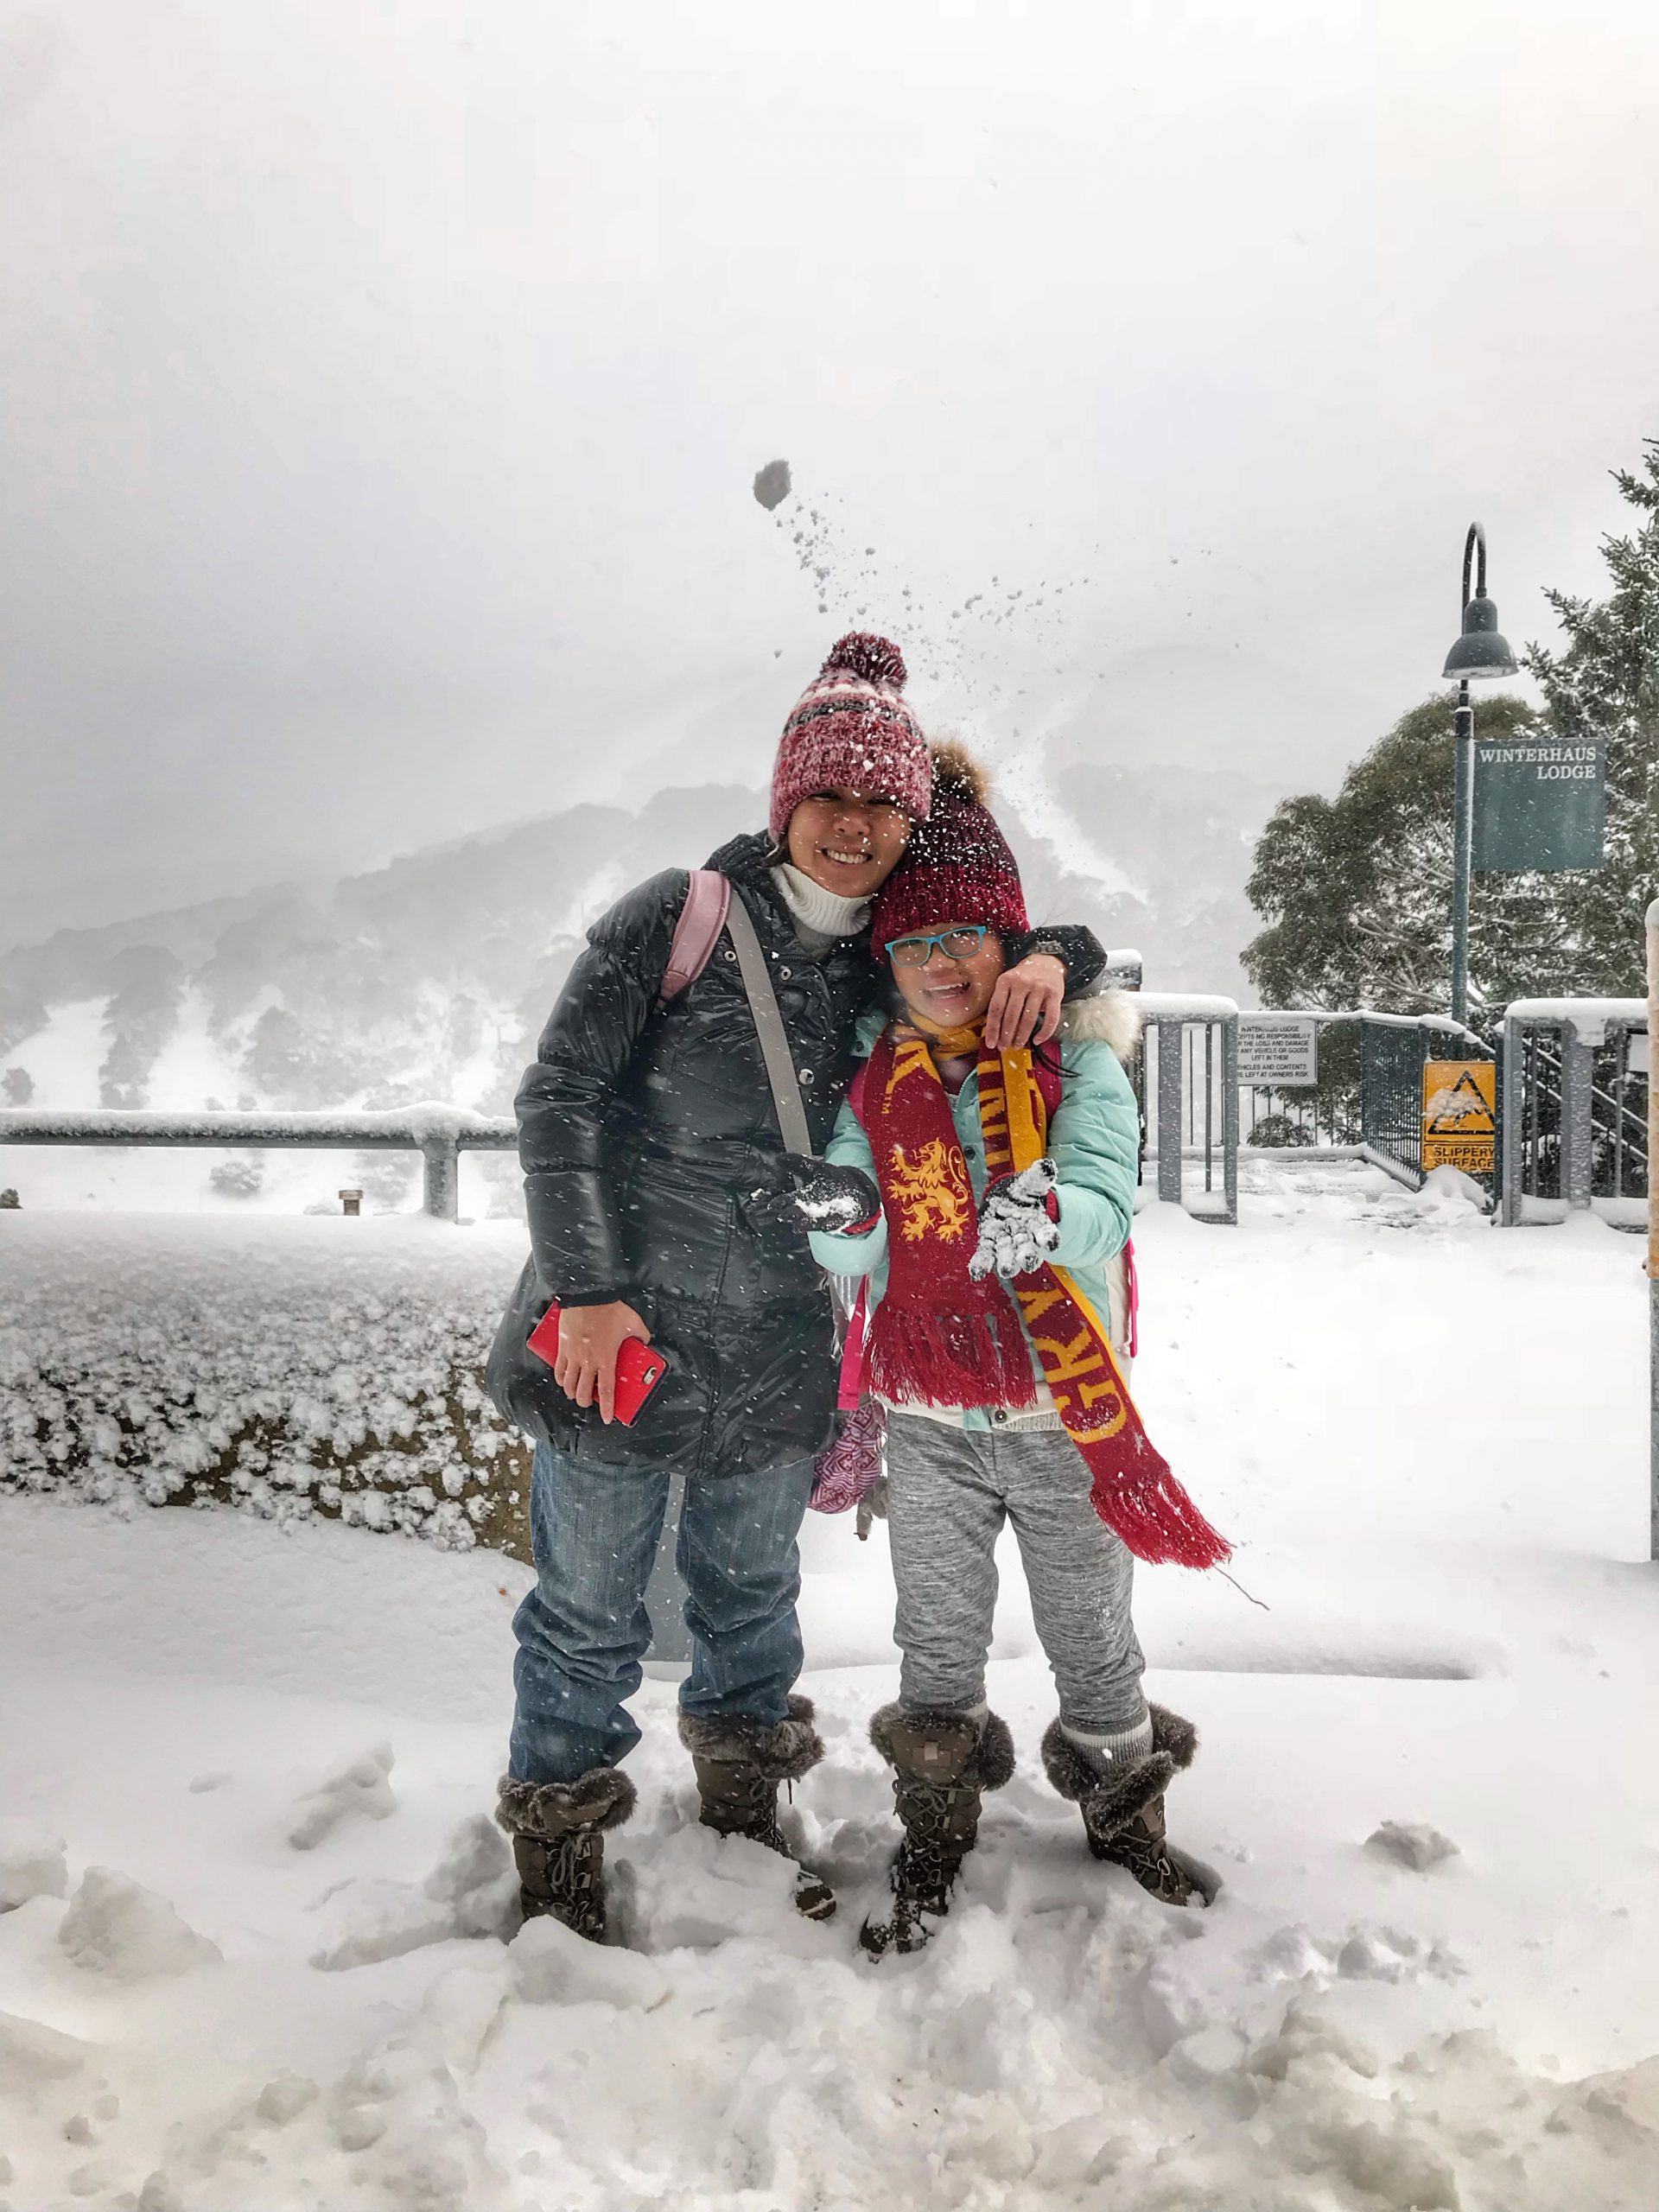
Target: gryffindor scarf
(940,1339)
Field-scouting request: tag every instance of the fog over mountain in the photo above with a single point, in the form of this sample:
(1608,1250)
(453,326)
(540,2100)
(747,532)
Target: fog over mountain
(384,382)
(430,978)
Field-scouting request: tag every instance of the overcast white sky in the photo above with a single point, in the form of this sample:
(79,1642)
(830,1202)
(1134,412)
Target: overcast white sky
(383,383)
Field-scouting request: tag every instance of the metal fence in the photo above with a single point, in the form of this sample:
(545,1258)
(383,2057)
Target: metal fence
(1367,1099)
(1575,1119)
(1189,1109)
(439,1134)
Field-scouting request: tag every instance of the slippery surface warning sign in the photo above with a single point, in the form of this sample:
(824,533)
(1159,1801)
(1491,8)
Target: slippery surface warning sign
(1460,1114)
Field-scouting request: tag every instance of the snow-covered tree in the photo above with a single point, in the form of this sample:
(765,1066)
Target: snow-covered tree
(1356,891)
(1604,684)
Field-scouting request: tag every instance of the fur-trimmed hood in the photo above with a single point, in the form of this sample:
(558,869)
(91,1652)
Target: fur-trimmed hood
(1111,1018)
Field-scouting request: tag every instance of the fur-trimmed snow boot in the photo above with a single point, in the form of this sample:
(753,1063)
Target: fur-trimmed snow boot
(1122,1807)
(941,1763)
(740,1763)
(558,1843)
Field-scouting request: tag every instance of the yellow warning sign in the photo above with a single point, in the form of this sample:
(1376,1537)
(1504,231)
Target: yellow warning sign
(1460,1114)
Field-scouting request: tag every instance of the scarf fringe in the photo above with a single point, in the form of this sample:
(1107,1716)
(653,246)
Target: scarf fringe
(925,1355)
(1154,1517)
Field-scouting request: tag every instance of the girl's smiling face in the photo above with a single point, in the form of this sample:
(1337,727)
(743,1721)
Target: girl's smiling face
(946,993)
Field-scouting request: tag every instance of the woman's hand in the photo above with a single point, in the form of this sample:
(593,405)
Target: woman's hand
(1025,1008)
(817,1194)
(590,1338)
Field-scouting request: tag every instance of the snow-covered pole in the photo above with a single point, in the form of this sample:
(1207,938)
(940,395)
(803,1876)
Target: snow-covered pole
(1171,1035)
(1578,1090)
(1653,1236)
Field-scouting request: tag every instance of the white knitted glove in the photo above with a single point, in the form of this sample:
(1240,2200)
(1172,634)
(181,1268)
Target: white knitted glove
(1019,1223)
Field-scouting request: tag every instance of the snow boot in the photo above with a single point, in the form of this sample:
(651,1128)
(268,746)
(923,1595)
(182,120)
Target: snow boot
(1122,1807)
(740,1763)
(558,1843)
(941,1763)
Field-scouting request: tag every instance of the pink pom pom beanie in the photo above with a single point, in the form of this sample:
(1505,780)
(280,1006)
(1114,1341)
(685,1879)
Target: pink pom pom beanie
(850,730)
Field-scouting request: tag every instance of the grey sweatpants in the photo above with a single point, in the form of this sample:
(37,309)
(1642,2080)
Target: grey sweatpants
(948,1492)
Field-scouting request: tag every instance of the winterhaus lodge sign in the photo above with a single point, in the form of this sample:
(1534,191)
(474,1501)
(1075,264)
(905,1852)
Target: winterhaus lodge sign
(1539,803)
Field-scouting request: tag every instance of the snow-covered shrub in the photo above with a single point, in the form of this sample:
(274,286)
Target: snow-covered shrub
(1278,1131)
(16,1087)
(242,1176)
(285,1366)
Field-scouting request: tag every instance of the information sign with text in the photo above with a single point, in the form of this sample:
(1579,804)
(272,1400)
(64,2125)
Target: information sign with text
(1278,1055)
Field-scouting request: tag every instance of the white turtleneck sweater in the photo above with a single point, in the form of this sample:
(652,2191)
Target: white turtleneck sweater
(821,917)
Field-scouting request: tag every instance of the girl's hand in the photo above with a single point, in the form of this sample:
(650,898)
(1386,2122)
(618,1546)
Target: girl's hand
(1019,1225)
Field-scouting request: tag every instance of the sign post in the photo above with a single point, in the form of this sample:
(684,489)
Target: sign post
(1460,1115)
(1539,803)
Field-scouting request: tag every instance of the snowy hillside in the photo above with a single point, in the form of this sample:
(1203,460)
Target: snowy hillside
(259,1952)
(430,978)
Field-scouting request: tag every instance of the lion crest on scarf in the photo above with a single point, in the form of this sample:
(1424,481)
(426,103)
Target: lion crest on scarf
(931,1190)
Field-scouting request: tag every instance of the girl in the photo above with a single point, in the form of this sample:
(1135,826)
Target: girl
(998,1341)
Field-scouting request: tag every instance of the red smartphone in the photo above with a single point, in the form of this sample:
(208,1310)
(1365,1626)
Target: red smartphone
(639,1366)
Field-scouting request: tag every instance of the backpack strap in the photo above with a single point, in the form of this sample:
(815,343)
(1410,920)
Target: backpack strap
(708,901)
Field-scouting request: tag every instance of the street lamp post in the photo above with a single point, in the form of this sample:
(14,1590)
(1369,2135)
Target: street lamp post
(1481,652)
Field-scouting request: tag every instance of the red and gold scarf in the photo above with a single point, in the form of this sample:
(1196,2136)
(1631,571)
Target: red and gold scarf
(940,1339)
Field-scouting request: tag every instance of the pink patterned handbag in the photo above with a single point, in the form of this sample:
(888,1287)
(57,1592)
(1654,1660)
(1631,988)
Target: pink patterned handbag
(850,1464)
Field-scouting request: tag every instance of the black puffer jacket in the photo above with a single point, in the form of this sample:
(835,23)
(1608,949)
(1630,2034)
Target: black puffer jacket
(646,1133)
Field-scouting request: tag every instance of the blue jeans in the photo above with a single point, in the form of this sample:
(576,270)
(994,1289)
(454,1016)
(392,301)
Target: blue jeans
(583,1630)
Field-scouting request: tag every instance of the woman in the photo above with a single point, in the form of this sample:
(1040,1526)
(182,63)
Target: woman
(652,1163)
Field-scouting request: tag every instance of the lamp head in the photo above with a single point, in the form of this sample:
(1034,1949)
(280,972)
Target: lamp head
(1483,650)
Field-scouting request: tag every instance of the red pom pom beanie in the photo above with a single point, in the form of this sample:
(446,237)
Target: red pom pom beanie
(850,730)
(957,867)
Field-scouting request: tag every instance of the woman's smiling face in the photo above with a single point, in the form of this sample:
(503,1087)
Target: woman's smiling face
(949,993)
(848,842)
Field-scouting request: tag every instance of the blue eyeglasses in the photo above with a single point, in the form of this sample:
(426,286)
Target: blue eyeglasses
(955,944)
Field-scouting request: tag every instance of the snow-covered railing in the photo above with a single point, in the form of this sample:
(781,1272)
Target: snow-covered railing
(1197,1095)
(439,1133)
(1562,1112)
(1442,1022)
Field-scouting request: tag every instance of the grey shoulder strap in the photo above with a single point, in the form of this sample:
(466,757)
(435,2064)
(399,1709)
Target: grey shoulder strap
(769,1028)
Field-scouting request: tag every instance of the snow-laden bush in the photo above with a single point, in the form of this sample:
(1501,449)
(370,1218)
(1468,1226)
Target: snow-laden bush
(241,1176)
(286,1366)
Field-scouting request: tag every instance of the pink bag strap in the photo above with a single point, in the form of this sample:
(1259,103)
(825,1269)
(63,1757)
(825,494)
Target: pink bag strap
(707,902)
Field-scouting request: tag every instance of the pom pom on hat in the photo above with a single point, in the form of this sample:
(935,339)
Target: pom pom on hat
(851,730)
(955,769)
(860,652)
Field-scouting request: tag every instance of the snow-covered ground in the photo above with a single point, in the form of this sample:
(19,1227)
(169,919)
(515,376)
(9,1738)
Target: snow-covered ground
(287,1989)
